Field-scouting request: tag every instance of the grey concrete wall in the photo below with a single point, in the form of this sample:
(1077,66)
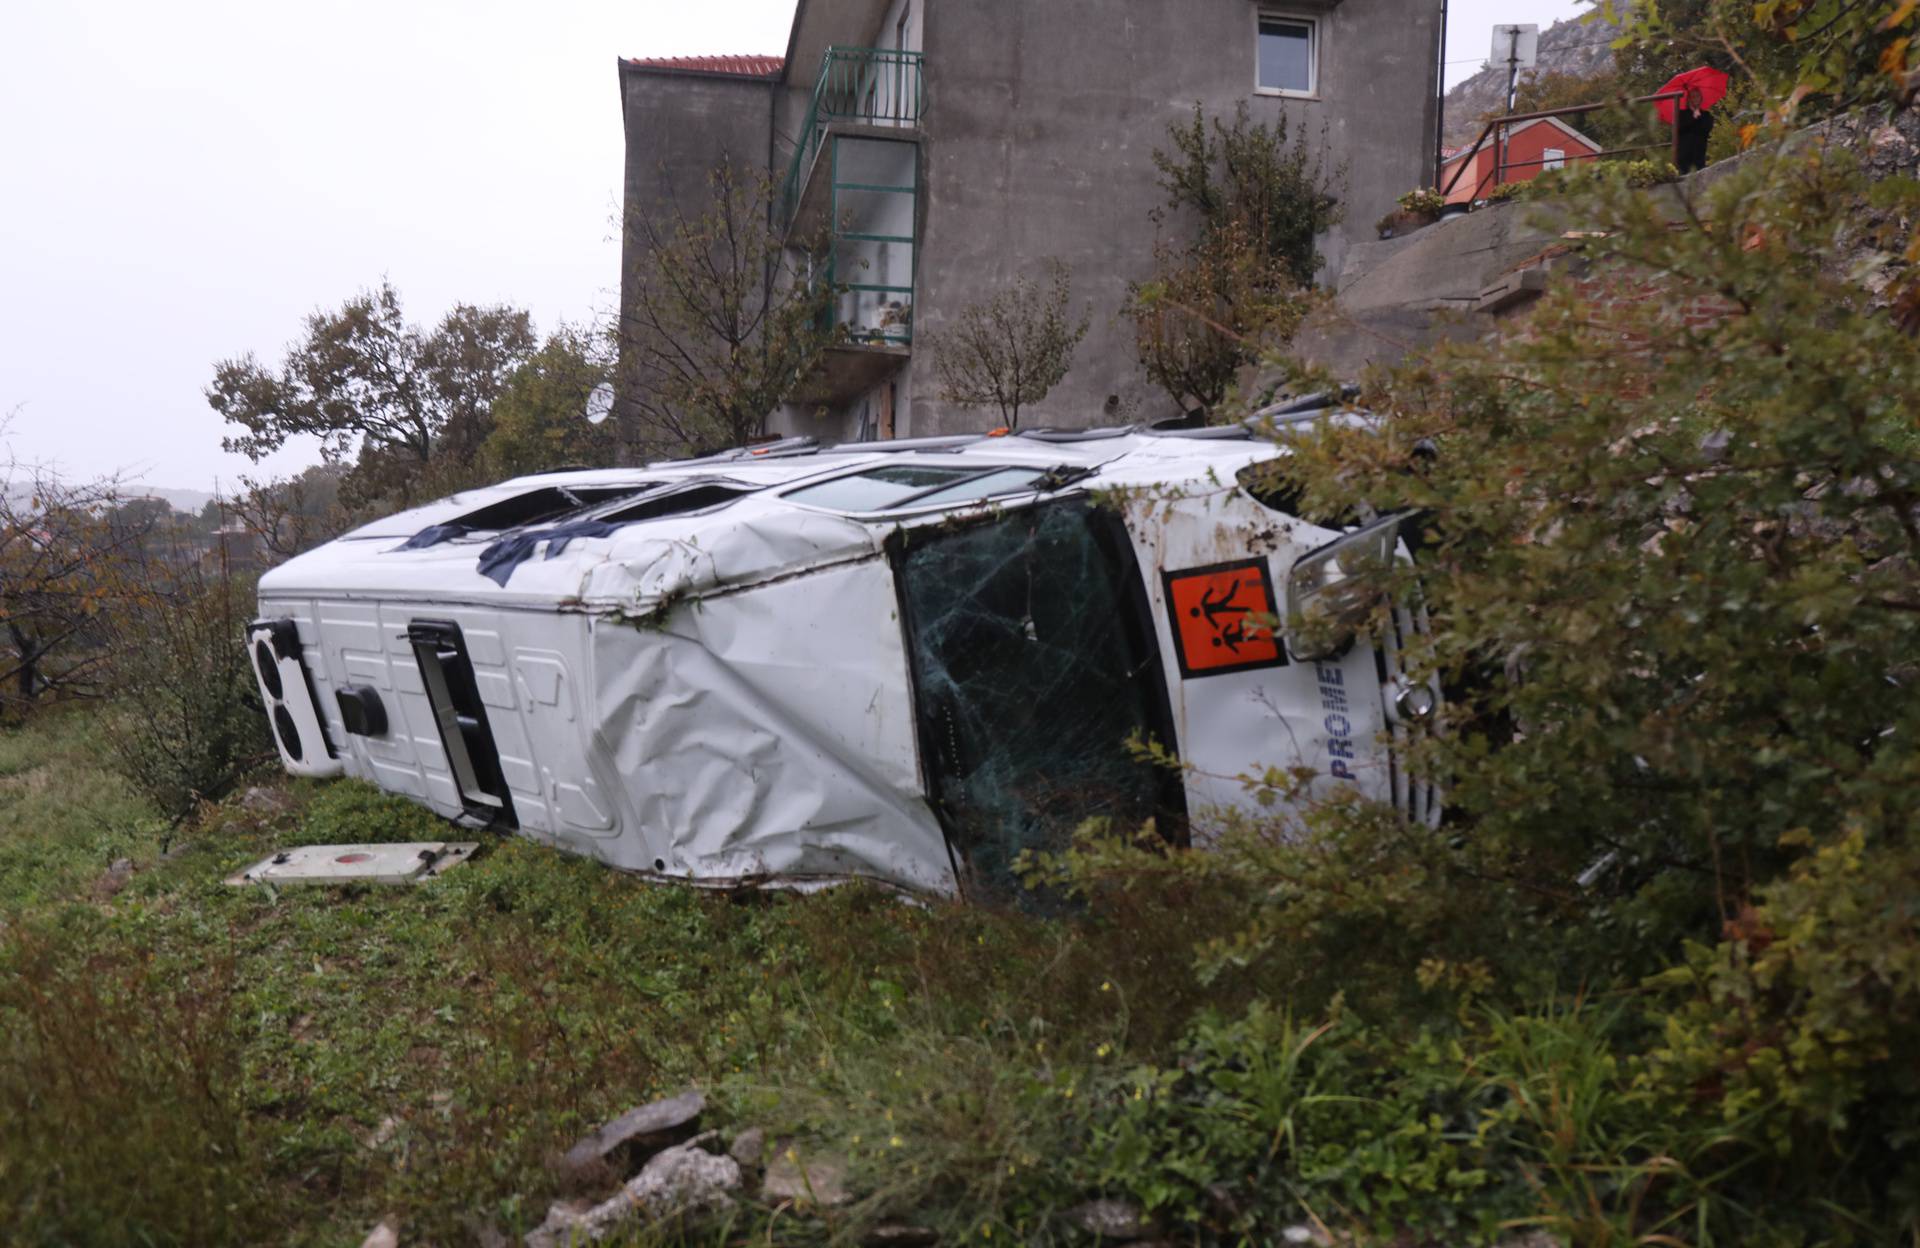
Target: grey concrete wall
(679,126)
(1402,294)
(1041,126)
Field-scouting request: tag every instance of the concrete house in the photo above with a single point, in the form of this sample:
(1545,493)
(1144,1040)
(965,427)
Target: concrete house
(949,148)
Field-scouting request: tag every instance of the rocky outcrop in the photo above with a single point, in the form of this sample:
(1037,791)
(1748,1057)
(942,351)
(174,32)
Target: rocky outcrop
(1457,278)
(1570,47)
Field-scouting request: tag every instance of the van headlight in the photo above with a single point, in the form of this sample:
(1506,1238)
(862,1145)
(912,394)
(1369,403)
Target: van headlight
(1332,590)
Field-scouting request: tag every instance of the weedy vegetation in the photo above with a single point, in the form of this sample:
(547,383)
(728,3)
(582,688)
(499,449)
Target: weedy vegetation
(1655,982)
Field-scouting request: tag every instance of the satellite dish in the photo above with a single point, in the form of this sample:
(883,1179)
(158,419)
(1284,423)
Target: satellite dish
(599,403)
(1517,47)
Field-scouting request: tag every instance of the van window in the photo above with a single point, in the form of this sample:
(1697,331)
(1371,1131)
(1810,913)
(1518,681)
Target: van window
(1005,481)
(879,488)
(538,506)
(916,485)
(1034,664)
(679,502)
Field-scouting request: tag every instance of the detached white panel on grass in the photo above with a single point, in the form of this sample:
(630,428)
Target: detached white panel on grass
(411,862)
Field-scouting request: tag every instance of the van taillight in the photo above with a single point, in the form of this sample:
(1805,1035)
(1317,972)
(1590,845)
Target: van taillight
(287,692)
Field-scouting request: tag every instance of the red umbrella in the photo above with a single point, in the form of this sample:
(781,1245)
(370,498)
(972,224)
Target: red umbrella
(1712,84)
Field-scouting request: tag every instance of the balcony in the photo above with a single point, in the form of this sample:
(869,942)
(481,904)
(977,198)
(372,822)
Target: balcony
(851,194)
(859,89)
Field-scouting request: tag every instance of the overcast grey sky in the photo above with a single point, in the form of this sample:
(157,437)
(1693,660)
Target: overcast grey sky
(183,182)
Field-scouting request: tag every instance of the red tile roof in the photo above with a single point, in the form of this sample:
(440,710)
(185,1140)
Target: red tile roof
(742,66)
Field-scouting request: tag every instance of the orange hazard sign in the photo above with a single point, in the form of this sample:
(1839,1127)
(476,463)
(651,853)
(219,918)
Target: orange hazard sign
(1223,618)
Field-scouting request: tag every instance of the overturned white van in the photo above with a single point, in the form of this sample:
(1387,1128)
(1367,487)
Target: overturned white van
(789,664)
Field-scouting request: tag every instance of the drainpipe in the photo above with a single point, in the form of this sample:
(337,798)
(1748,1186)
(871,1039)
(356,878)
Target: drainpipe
(767,267)
(1440,103)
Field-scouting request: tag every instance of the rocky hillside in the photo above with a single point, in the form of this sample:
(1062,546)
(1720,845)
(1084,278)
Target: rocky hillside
(1574,46)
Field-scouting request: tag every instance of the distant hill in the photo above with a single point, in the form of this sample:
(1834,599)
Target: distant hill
(189,501)
(1569,47)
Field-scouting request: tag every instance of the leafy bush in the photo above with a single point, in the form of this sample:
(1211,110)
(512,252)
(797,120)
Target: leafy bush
(1672,565)
(1586,177)
(1423,199)
(119,1082)
(186,719)
(1805,1022)
(1261,199)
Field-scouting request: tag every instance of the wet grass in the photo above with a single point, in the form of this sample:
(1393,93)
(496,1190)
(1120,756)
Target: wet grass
(186,1062)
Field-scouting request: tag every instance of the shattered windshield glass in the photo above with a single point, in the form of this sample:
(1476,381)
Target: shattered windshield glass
(1033,665)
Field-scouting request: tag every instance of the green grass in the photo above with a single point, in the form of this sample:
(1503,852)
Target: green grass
(183,1062)
(295,1065)
(64,817)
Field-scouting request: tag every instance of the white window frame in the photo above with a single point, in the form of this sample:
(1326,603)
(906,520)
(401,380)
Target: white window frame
(1552,158)
(1316,49)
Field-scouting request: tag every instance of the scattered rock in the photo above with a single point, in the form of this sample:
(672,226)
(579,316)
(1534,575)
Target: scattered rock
(639,1132)
(113,879)
(1109,1219)
(487,1235)
(1224,1202)
(749,1147)
(894,1236)
(562,1217)
(820,1181)
(261,800)
(680,1180)
(382,1236)
(382,1135)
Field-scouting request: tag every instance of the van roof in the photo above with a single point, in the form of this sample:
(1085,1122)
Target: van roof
(722,542)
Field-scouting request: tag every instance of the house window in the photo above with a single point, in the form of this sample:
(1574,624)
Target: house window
(1289,56)
(1553,158)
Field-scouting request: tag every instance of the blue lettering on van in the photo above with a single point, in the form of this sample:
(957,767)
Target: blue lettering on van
(1333,699)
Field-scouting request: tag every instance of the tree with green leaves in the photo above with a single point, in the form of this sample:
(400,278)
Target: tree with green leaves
(291,514)
(1252,177)
(540,418)
(721,319)
(365,380)
(1209,310)
(1672,568)
(1256,201)
(1008,351)
(1803,59)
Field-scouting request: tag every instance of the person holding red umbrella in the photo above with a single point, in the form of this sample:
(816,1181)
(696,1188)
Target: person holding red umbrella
(1699,89)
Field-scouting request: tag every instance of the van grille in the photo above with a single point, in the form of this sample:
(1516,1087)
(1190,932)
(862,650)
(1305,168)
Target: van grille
(1419,799)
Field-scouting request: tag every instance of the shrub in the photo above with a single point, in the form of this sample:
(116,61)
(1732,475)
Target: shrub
(1804,1022)
(186,719)
(1672,566)
(1425,200)
(120,1084)
(1261,199)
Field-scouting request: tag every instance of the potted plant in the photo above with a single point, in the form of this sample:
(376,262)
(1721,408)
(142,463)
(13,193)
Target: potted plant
(1419,207)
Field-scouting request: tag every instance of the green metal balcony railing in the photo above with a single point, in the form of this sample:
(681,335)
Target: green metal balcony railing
(863,86)
(872,191)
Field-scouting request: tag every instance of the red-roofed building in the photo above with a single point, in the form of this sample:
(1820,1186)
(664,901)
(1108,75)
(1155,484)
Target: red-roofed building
(733,66)
(1530,149)
(947,150)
